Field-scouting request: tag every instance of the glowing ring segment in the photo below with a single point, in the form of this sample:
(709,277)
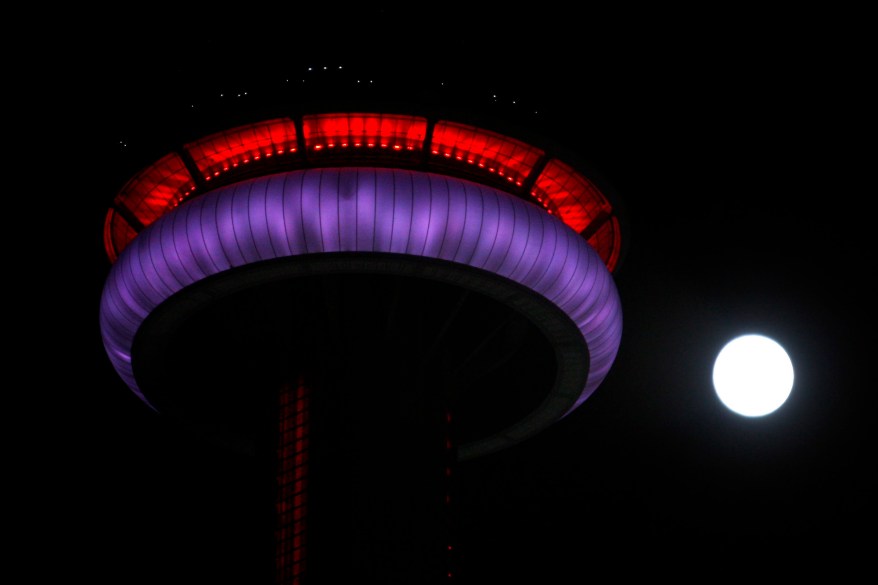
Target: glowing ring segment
(391,211)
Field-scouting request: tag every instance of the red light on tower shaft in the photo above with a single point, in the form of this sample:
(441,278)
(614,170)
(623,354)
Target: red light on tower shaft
(292,483)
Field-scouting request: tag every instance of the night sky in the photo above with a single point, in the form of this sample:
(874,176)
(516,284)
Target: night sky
(722,154)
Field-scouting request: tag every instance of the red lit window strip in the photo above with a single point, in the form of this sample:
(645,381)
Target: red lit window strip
(578,201)
(382,132)
(224,151)
(581,205)
(607,241)
(484,150)
(118,233)
(148,195)
(292,468)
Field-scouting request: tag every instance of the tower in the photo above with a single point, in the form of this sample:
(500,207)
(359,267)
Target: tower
(363,299)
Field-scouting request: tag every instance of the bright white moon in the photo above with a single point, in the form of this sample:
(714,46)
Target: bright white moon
(753,375)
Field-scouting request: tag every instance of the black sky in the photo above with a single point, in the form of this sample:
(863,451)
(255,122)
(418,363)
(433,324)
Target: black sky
(722,147)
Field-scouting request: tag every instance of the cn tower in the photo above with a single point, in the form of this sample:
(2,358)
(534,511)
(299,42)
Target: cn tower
(364,300)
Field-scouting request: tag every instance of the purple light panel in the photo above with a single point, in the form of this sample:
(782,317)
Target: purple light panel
(320,211)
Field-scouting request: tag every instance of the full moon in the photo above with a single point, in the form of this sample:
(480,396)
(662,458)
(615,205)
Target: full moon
(753,375)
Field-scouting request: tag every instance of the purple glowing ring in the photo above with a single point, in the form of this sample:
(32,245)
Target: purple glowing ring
(396,213)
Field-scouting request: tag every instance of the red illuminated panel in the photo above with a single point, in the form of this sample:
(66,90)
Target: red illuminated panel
(156,189)
(486,150)
(147,196)
(390,132)
(581,205)
(224,151)
(118,233)
(607,241)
